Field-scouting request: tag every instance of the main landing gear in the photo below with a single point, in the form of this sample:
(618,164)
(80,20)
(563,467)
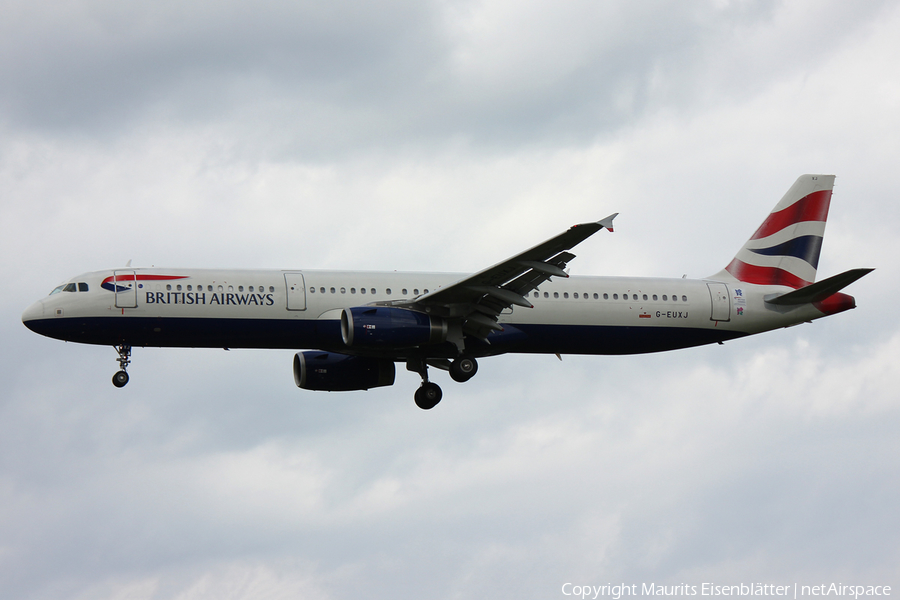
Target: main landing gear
(463,369)
(121,378)
(429,393)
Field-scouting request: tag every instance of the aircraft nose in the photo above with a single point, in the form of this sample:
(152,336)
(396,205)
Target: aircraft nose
(33,313)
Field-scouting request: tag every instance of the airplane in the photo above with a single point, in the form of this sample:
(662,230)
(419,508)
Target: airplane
(359,324)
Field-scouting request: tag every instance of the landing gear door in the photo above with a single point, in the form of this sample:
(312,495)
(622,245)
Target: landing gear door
(721,302)
(125,283)
(296,291)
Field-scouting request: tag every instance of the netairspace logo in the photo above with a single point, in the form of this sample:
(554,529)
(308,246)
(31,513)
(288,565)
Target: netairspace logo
(618,591)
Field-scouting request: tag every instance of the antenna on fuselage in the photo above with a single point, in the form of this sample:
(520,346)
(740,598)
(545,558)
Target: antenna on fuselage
(128,264)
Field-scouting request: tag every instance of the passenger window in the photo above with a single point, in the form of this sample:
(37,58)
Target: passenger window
(321,290)
(82,287)
(240,288)
(361,291)
(665,298)
(655,298)
(343,290)
(352,290)
(645,296)
(565,294)
(249,289)
(416,291)
(615,296)
(575,295)
(674,298)
(405,292)
(312,290)
(272,288)
(556,294)
(332,290)
(373,291)
(684,298)
(388,291)
(546,294)
(190,288)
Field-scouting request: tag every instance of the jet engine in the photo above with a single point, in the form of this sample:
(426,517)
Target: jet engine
(390,327)
(330,372)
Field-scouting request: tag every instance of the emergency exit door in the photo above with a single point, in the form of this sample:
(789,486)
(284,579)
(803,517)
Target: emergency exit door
(296,291)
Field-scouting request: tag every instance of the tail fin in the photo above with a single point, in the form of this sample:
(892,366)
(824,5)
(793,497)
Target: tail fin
(785,249)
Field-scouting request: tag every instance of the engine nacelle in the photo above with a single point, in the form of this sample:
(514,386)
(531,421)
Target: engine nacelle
(390,327)
(330,372)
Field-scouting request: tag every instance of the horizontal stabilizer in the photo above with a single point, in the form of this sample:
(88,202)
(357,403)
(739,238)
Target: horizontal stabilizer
(817,292)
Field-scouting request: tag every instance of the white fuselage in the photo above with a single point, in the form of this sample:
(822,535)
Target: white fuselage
(302,309)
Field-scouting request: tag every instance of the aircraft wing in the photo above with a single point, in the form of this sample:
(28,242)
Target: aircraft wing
(479,299)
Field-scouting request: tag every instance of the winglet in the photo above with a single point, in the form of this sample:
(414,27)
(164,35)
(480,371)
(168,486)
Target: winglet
(608,221)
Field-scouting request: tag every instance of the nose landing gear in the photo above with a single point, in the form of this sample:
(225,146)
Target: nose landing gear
(121,378)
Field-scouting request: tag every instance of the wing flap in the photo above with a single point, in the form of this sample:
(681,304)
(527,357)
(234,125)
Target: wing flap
(535,264)
(476,302)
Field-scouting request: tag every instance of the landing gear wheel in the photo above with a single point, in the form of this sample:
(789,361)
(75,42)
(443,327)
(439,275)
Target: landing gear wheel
(120,379)
(428,395)
(463,369)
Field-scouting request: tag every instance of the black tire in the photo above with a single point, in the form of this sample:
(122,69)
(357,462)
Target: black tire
(120,379)
(428,396)
(463,369)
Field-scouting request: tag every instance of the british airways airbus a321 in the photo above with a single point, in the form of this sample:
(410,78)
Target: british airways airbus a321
(359,324)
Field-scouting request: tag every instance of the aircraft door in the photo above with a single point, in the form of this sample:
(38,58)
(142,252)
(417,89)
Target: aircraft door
(125,284)
(721,302)
(296,291)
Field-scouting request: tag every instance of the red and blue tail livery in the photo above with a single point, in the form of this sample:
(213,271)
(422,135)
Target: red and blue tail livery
(352,327)
(785,248)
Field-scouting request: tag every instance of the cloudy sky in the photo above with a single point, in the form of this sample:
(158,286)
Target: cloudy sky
(445,136)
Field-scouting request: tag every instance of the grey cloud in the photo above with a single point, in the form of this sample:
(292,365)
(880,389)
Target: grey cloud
(84,65)
(340,77)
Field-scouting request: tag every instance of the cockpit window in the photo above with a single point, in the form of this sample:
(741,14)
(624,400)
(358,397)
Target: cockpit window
(70,287)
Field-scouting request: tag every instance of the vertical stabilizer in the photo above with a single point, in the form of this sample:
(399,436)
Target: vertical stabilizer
(785,249)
